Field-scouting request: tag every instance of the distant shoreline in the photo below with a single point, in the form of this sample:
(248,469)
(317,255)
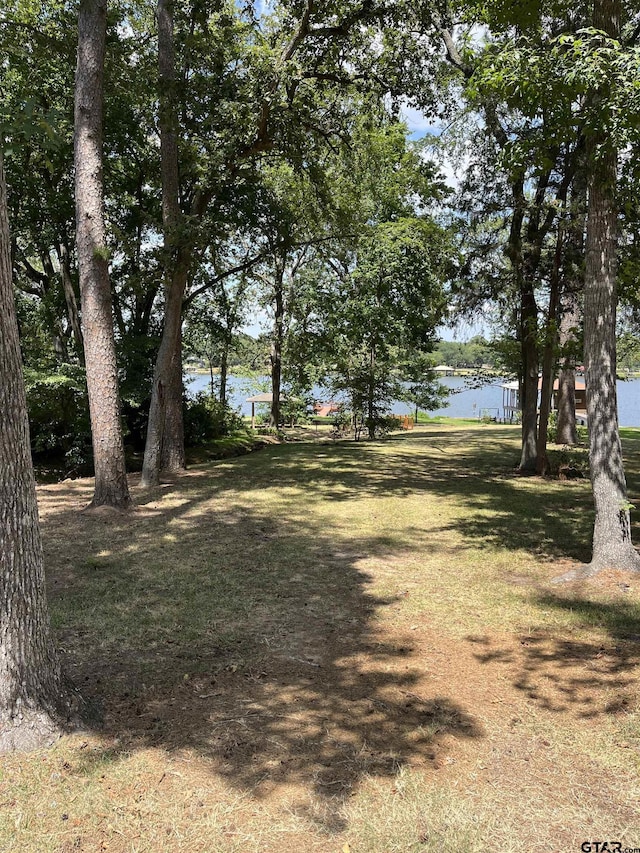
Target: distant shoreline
(458,371)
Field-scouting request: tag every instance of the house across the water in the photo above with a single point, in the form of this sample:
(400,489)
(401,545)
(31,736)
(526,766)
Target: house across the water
(511,400)
(323,410)
(444,370)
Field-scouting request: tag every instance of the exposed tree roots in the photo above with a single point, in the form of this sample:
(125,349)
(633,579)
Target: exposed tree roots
(630,562)
(27,728)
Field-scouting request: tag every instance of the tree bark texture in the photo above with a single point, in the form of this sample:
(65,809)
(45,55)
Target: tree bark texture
(173,453)
(566,431)
(276,345)
(612,545)
(549,357)
(529,322)
(111,486)
(70,300)
(33,701)
(165,435)
(168,363)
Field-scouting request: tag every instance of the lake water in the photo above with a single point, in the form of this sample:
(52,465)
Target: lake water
(464,401)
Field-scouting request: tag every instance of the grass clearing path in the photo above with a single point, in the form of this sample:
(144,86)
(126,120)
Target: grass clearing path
(329,644)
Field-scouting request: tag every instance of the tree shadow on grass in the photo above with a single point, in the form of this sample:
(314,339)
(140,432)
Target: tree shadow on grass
(582,677)
(247,637)
(472,467)
(247,633)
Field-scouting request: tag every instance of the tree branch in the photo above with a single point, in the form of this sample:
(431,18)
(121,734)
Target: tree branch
(33,275)
(453,55)
(248,263)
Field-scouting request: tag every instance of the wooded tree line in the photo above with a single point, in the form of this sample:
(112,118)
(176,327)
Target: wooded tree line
(165,161)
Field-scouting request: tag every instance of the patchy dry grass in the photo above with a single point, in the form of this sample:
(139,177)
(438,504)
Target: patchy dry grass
(338,646)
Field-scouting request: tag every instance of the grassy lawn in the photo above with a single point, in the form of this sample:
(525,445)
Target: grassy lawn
(339,646)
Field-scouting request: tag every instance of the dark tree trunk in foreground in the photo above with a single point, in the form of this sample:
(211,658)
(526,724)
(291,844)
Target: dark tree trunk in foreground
(33,702)
(612,546)
(224,369)
(165,438)
(371,420)
(99,348)
(168,365)
(524,270)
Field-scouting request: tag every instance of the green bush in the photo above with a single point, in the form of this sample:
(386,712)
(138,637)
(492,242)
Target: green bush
(293,410)
(382,425)
(574,460)
(58,410)
(582,433)
(206,419)
(342,419)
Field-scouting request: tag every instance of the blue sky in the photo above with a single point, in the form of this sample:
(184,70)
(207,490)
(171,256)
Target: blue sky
(418,124)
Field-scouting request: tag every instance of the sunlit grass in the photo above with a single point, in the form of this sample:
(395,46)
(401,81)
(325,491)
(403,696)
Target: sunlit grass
(337,643)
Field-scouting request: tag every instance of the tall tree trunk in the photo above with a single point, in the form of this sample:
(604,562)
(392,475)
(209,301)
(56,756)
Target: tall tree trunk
(95,292)
(173,453)
(33,701)
(566,431)
(529,402)
(165,414)
(570,311)
(528,328)
(612,545)
(212,381)
(168,363)
(276,346)
(371,424)
(566,427)
(549,358)
(70,299)
(224,369)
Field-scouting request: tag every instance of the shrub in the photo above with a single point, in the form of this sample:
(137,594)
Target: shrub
(383,425)
(582,433)
(569,462)
(342,419)
(58,410)
(206,419)
(293,410)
